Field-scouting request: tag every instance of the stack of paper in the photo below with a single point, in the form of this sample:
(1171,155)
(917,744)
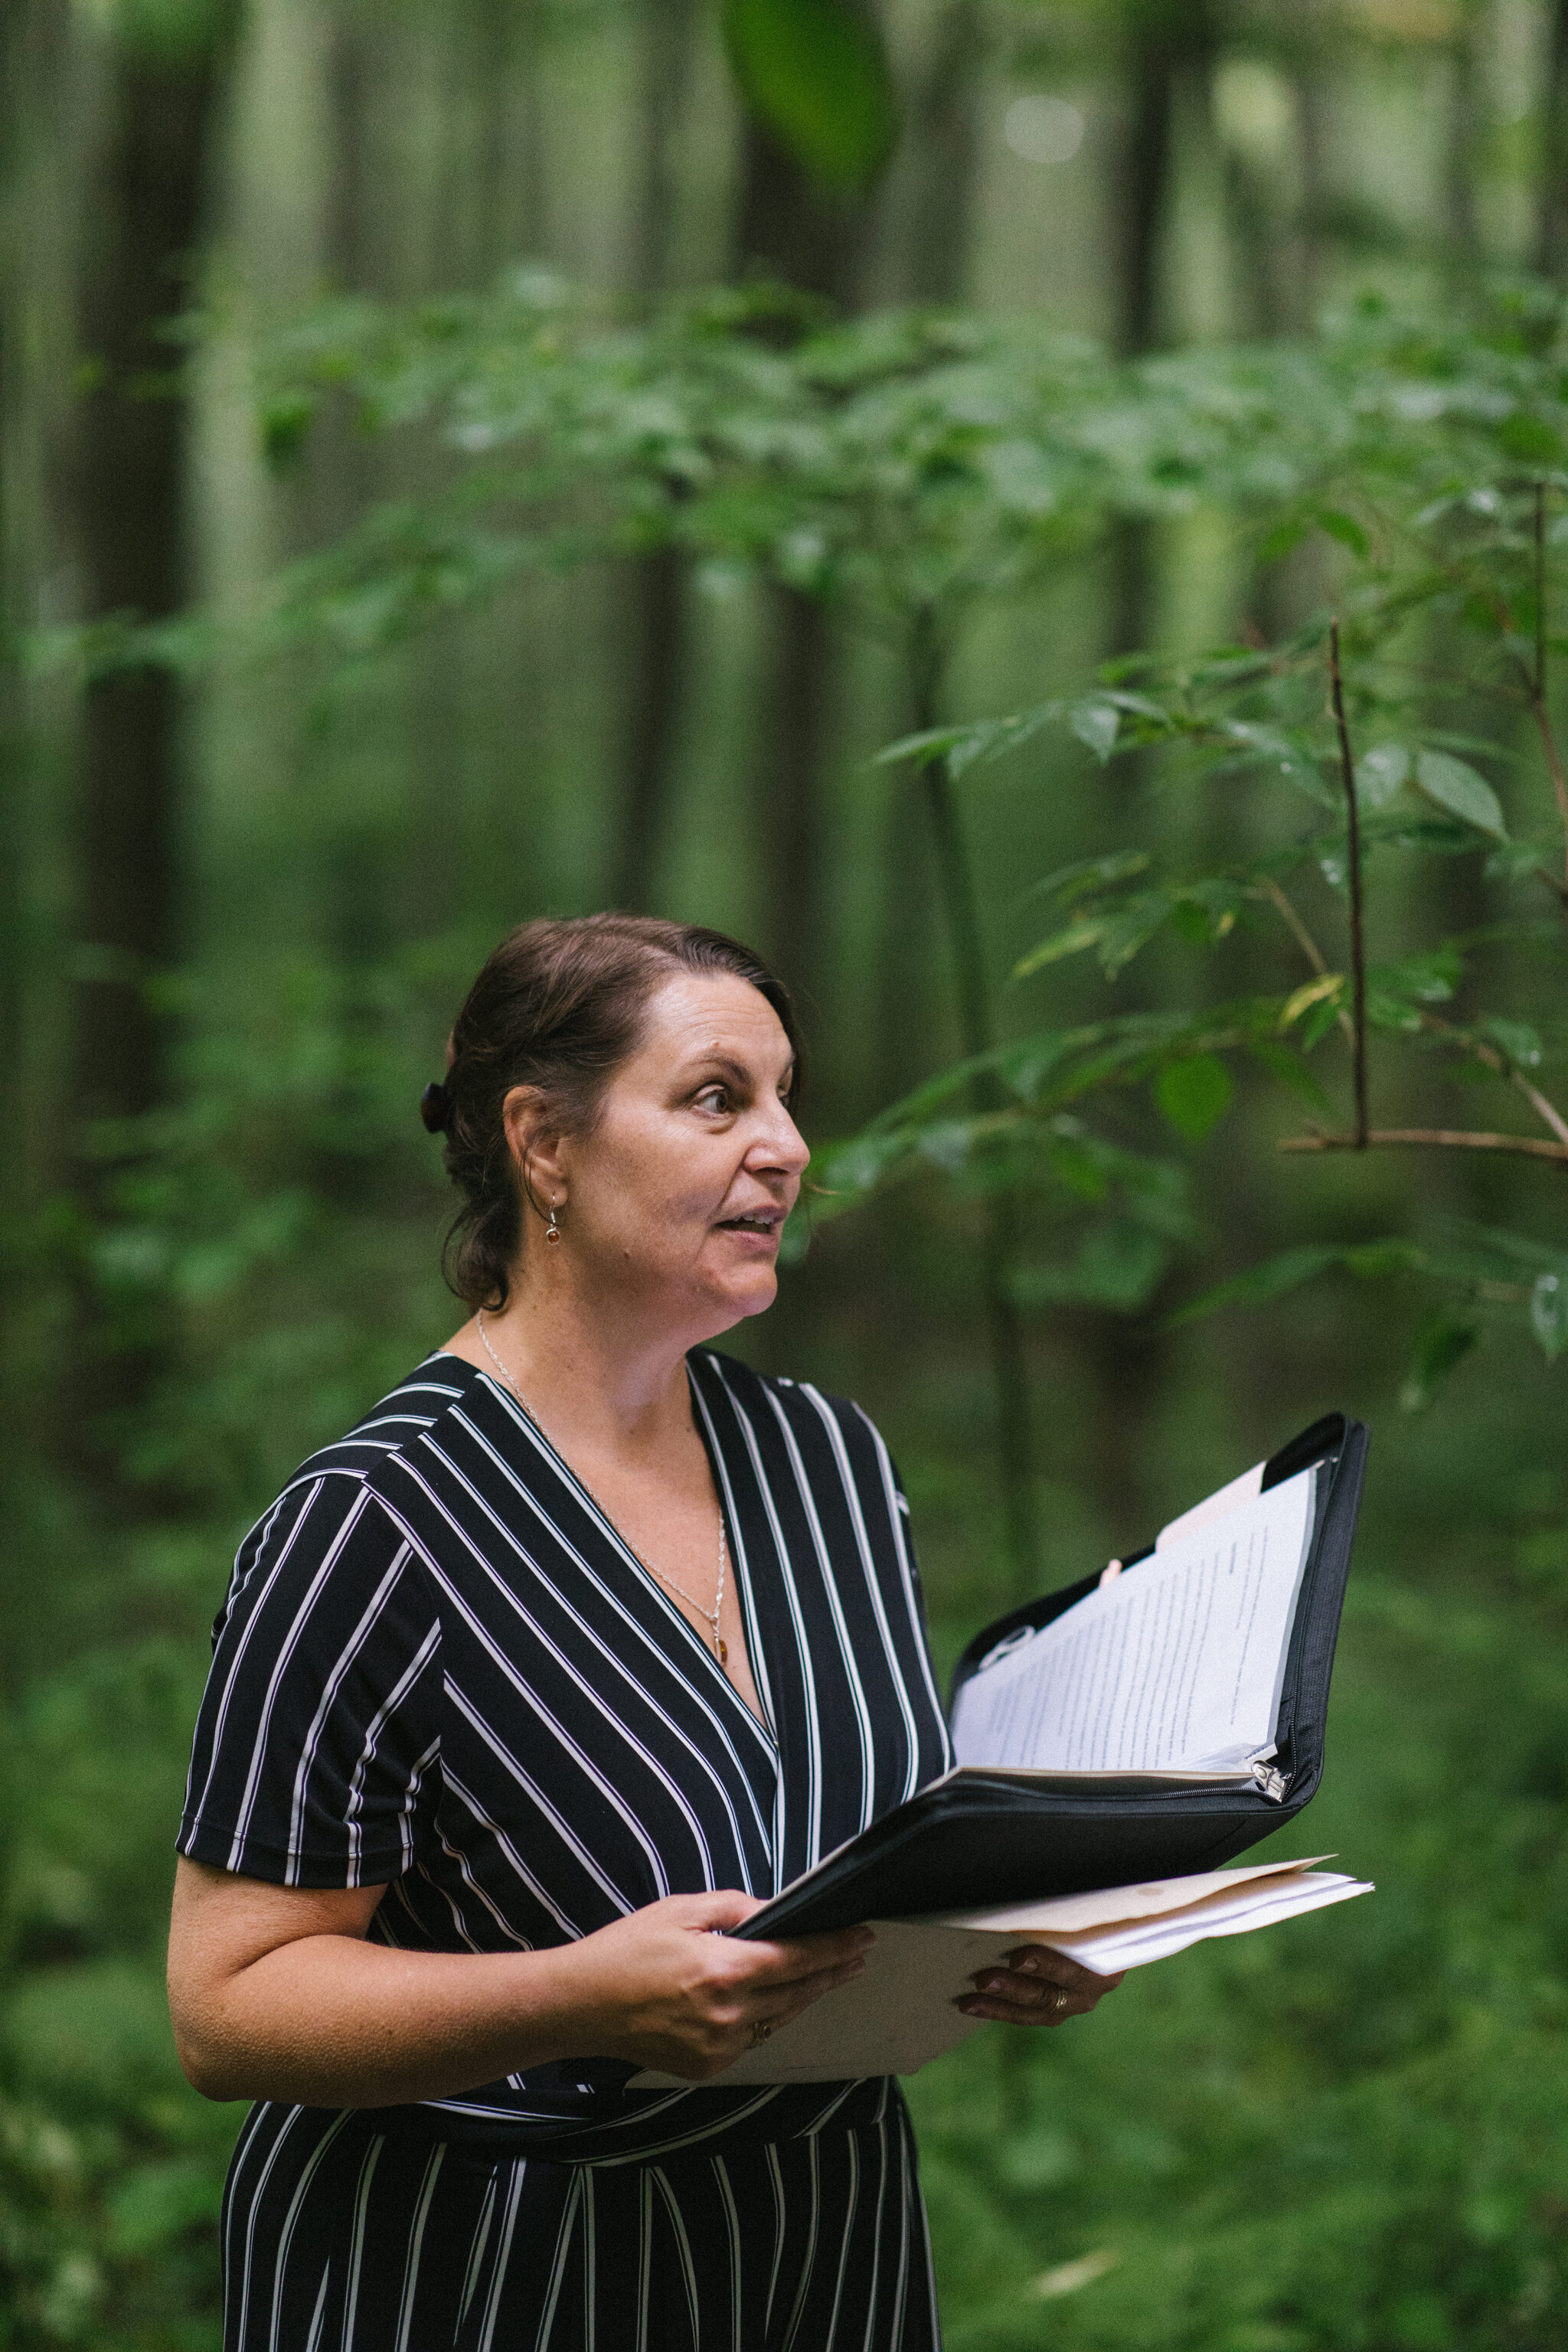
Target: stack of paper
(899,2013)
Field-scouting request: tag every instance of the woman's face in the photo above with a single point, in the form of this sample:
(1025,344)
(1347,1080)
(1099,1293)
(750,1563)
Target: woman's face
(676,1198)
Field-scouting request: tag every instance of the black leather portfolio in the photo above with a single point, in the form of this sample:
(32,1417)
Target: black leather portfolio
(985,1837)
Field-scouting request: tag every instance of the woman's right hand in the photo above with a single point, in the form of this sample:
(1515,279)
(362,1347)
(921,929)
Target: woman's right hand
(662,1989)
(278,1994)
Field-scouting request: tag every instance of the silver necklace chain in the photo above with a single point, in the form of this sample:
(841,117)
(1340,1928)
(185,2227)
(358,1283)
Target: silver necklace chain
(721,1647)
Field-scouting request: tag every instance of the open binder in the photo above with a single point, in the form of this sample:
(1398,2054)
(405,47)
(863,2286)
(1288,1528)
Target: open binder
(1254,1577)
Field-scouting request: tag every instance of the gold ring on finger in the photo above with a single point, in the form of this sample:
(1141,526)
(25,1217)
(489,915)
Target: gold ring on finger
(1060,2002)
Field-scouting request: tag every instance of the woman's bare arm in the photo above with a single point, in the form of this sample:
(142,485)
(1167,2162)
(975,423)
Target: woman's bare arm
(276,1994)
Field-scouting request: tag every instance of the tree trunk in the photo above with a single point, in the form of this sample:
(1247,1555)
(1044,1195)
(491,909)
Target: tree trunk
(1551,228)
(789,230)
(1462,149)
(126,486)
(663,78)
(998,1213)
(658,602)
(658,585)
(1311,149)
(1166,39)
(796,748)
(947,138)
(946,150)
(1168,43)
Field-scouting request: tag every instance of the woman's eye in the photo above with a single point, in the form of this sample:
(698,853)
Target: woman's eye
(716,1099)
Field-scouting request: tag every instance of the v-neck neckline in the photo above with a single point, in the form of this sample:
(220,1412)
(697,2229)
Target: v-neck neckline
(741,1566)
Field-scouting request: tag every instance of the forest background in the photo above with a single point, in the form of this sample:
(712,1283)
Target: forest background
(423,505)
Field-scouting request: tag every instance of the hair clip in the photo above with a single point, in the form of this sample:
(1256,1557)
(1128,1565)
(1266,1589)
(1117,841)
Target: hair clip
(433,1107)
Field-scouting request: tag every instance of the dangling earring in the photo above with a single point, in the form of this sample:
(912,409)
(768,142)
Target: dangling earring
(553,1231)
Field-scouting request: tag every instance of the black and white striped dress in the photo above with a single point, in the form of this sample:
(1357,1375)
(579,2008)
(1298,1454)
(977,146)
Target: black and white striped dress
(439,1669)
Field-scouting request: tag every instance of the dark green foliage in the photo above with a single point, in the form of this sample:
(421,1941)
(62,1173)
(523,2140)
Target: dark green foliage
(1424,426)
(816,72)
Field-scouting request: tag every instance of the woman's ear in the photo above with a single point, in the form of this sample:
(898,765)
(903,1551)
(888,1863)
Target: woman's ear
(534,1141)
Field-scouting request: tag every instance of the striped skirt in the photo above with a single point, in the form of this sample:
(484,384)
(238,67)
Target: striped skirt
(343,2236)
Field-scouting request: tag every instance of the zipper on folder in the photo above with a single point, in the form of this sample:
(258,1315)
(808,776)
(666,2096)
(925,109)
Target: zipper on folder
(1270,1781)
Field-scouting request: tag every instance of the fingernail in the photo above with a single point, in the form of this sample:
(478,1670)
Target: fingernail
(1029,1968)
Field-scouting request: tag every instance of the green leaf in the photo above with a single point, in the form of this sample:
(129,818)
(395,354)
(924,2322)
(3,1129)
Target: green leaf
(286,422)
(1380,774)
(1191,922)
(1194,1094)
(931,744)
(1345,529)
(1096,723)
(1456,786)
(1282,538)
(1515,1039)
(1216,900)
(1326,990)
(1517,861)
(1372,1261)
(1369,1261)
(1397,1013)
(858,1164)
(1024,1067)
(1069,882)
(816,73)
(1118,1265)
(1549,1314)
(946,1143)
(1130,927)
(1429,977)
(1075,1163)
(1445,1341)
(1323,1017)
(1530,440)
(1292,1071)
(1259,1284)
(1083,931)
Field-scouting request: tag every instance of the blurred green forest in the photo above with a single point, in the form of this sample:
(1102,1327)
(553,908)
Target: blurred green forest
(462,459)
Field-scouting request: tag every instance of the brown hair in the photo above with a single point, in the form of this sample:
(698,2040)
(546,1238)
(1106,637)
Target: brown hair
(559,1006)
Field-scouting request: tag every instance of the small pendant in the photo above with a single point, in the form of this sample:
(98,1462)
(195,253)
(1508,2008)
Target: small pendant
(723,1649)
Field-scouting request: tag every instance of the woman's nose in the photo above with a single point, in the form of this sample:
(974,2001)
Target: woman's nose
(783,1146)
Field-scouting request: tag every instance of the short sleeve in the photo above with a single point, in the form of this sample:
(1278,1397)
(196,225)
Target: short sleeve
(319,1727)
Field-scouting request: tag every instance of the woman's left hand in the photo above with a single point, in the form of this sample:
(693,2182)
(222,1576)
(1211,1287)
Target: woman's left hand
(1035,1987)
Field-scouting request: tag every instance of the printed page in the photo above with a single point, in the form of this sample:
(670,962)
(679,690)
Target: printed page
(1178,1663)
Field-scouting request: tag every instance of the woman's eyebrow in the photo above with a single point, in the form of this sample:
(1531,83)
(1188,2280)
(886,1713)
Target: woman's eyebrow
(715,1057)
(740,1074)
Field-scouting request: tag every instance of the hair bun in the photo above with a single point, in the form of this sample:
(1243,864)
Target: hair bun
(433,1107)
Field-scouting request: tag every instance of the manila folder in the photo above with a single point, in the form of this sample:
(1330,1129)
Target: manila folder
(898,2014)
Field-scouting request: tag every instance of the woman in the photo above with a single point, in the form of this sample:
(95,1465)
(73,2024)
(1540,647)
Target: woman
(584,1644)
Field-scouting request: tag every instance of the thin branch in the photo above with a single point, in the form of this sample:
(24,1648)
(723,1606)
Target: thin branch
(1307,943)
(1358,928)
(1498,1062)
(1447,1139)
(1541,1106)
